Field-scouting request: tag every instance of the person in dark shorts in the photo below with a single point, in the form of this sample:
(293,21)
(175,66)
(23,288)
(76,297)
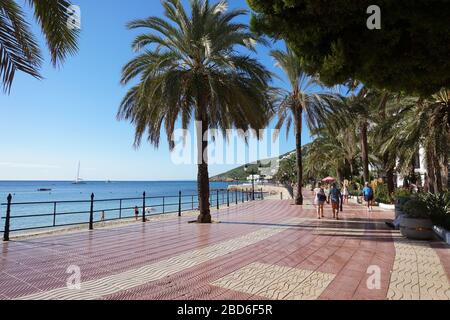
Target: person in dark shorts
(368,195)
(335,199)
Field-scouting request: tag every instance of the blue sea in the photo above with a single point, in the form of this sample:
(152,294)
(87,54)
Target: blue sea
(73,200)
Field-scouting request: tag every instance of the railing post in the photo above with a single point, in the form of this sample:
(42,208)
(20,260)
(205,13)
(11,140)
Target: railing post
(246,192)
(91,213)
(217,193)
(262,194)
(236,191)
(281,194)
(179,204)
(8,219)
(243,195)
(120,209)
(143,207)
(192,203)
(228,198)
(54,214)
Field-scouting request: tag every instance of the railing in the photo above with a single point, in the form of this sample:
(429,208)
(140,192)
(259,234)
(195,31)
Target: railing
(53,214)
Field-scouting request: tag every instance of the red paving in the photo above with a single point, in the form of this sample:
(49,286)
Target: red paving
(35,265)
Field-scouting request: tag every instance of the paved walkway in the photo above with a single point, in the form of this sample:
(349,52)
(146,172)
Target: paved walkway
(260,250)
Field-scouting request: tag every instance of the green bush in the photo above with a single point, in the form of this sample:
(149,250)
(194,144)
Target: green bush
(417,208)
(382,194)
(401,193)
(439,208)
(401,196)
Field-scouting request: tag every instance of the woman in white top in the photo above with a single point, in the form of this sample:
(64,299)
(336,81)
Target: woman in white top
(345,193)
(316,191)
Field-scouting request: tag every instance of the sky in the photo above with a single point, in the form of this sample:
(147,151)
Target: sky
(48,126)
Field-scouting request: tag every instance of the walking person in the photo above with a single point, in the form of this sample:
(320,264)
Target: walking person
(368,195)
(315,192)
(320,199)
(136,213)
(345,193)
(335,198)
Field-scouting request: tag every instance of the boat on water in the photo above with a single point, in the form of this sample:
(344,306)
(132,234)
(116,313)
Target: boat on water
(44,190)
(78,180)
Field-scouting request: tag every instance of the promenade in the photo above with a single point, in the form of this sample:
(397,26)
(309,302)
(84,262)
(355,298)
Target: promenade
(259,250)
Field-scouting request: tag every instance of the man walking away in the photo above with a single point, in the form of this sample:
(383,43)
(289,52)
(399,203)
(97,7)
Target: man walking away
(368,196)
(335,198)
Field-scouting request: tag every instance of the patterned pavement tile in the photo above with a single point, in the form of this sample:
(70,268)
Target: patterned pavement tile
(276,282)
(417,273)
(260,250)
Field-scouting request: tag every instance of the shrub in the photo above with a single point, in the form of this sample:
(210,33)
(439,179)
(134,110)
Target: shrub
(401,193)
(382,194)
(417,208)
(401,196)
(439,208)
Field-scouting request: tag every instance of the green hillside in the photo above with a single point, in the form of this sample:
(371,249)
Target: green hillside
(239,173)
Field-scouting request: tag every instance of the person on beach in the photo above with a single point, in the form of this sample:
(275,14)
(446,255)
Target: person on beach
(335,197)
(102,216)
(320,200)
(136,213)
(368,195)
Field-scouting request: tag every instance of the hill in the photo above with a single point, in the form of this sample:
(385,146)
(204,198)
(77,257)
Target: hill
(239,174)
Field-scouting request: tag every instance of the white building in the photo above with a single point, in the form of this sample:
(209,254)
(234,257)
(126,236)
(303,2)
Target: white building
(420,168)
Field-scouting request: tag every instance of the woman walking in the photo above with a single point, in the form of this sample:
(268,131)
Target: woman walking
(345,193)
(320,199)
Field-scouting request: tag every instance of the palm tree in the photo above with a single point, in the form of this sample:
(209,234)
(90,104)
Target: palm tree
(421,123)
(19,50)
(188,67)
(301,103)
(333,151)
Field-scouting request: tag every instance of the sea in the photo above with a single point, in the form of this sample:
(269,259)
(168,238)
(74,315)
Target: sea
(34,203)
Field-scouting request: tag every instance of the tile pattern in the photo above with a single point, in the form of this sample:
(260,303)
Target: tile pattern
(301,246)
(277,282)
(105,286)
(418,273)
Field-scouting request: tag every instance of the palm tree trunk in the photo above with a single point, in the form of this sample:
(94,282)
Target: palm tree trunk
(430,169)
(203,174)
(298,144)
(390,180)
(365,150)
(444,166)
(438,174)
(389,173)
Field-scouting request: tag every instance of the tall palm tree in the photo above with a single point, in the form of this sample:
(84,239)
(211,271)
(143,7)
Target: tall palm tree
(188,67)
(333,151)
(421,123)
(19,50)
(301,102)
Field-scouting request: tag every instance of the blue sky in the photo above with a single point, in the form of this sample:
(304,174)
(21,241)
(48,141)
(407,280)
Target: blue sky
(48,126)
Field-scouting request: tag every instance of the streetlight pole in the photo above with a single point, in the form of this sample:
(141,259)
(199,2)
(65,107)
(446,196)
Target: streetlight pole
(252,173)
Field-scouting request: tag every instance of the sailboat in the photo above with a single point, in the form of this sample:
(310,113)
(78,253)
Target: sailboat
(78,179)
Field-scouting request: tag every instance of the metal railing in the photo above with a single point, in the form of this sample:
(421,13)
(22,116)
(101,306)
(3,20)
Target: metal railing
(53,214)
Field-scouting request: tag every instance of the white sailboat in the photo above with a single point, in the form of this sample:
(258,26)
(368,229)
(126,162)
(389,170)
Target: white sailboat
(78,180)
